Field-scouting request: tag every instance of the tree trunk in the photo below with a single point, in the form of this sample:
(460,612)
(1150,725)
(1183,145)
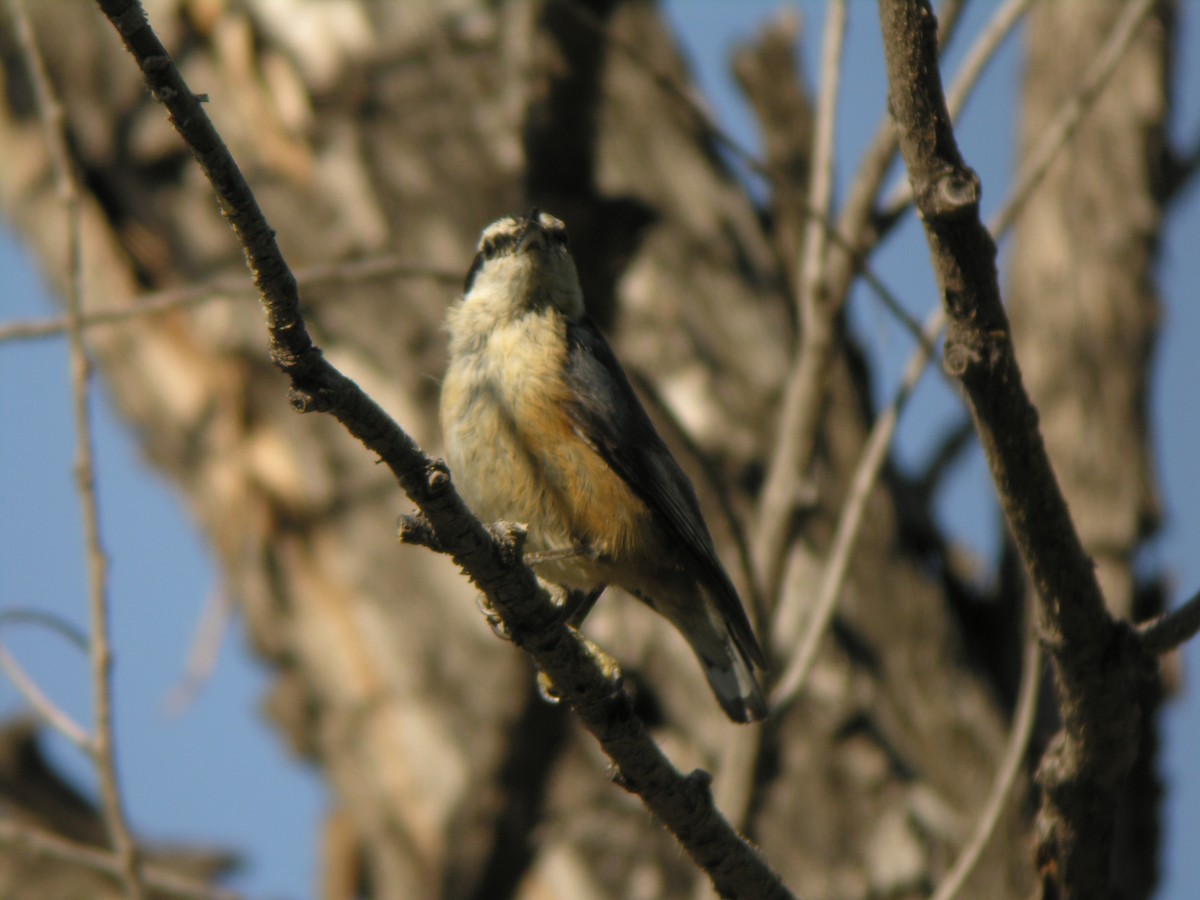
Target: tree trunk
(1084,310)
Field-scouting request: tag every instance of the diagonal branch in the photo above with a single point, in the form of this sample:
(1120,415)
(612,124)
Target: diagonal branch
(45,708)
(490,557)
(1006,777)
(1097,662)
(994,34)
(1066,122)
(1168,631)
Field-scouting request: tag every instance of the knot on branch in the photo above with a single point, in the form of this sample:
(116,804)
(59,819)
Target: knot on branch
(437,477)
(304,401)
(418,531)
(958,357)
(952,193)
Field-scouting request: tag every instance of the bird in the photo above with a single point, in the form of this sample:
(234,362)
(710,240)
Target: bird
(542,427)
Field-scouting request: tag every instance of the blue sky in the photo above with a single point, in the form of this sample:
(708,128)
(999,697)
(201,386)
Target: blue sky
(216,773)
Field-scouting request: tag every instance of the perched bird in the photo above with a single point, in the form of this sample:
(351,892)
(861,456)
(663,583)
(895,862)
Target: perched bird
(542,427)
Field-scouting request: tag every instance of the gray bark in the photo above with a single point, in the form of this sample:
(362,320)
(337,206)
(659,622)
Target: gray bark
(1085,310)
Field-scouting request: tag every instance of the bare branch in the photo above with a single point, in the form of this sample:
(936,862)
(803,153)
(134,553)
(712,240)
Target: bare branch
(101,744)
(1172,629)
(36,842)
(202,655)
(1097,662)
(833,577)
(859,228)
(682,803)
(230,287)
(47,620)
(1006,776)
(803,398)
(1067,121)
(43,706)
(791,683)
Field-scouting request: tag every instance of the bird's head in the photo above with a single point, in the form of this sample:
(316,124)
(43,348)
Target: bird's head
(524,262)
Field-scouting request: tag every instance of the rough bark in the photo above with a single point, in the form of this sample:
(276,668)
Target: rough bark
(404,130)
(1084,312)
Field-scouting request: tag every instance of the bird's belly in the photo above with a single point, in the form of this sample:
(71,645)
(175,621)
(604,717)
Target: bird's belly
(515,456)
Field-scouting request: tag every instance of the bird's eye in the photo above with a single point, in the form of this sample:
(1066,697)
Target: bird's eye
(497,244)
(559,238)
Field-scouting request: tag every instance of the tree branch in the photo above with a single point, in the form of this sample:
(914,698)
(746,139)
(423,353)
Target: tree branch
(837,564)
(1006,776)
(45,708)
(1097,662)
(1066,122)
(173,299)
(1168,631)
(101,742)
(804,395)
(36,842)
(981,53)
(682,803)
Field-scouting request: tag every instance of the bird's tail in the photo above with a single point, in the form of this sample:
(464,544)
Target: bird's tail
(736,681)
(734,669)
(722,639)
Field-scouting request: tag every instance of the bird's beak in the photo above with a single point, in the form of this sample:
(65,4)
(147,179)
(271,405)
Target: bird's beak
(534,237)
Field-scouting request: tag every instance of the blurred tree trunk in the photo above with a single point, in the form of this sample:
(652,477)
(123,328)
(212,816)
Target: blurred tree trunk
(1084,310)
(369,129)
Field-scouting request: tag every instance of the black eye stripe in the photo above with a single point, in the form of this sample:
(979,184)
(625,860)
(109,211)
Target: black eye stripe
(498,244)
(476,265)
(506,235)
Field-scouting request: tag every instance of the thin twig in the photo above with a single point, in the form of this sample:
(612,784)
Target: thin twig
(855,238)
(202,656)
(1010,767)
(37,842)
(1168,631)
(858,226)
(491,557)
(43,706)
(838,564)
(103,755)
(47,620)
(1068,119)
(230,287)
(792,682)
(803,397)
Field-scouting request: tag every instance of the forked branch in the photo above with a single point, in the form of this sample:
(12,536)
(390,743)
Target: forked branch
(1098,662)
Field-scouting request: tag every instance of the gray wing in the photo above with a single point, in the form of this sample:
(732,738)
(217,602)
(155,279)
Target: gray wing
(609,416)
